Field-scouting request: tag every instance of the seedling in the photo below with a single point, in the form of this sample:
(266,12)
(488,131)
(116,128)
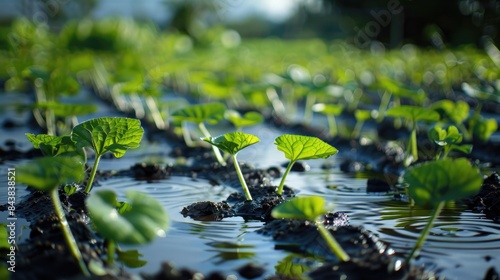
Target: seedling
(232,143)
(456,112)
(199,114)
(361,116)
(239,121)
(437,182)
(331,111)
(47,174)
(298,147)
(138,221)
(449,139)
(103,135)
(413,114)
(310,209)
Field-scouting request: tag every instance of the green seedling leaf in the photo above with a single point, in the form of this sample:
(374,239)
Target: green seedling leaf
(233,142)
(56,146)
(298,147)
(457,112)
(67,110)
(70,189)
(248,119)
(362,115)
(444,137)
(401,90)
(48,173)
(301,208)
(131,258)
(114,135)
(4,241)
(443,180)
(484,128)
(209,112)
(328,109)
(142,222)
(413,113)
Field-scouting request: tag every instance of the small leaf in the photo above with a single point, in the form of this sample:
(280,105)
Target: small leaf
(328,109)
(208,112)
(301,208)
(248,119)
(143,221)
(456,112)
(443,180)
(413,113)
(298,147)
(362,115)
(131,258)
(4,243)
(483,128)
(445,137)
(67,110)
(56,146)
(232,142)
(48,173)
(103,135)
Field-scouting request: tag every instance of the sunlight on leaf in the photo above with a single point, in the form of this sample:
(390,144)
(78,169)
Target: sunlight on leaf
(413,113)
(301,208)
(140,223)
(248,119)
(232,142)
(298,147)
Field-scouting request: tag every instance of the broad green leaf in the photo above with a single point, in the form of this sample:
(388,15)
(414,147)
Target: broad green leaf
(443,180)
(232,142)
(48,173)
(328,109)
(444,137)
(56,146)
(140,223)
(114,135)
(215,90)
(401,90)
(248,119)
(67,110)
(413,113)
(4,241)
(298,147)
(208,112)
(301,208)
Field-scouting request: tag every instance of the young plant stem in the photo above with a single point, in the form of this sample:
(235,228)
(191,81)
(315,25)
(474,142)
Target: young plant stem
(111,251)
(92,174)
(185,134)
(332,243)
(411,149)
(308,113)
(425,232)
(357,129)
(384,102)
(68,236)
(241,178)
(332,124)
(282,183)
(216,150)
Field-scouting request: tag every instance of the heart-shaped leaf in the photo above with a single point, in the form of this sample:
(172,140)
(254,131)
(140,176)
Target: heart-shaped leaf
(298,147)
(248,119)
(114,135)
(140,223)
(48,173)
(443,137)
(413,113)
(232,142)
(301,208)
(208,112)
(443,180)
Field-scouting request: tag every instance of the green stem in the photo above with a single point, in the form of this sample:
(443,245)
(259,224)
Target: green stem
(384,102)
(308,113)
(216,150)
(282,183)
(425,232)
(111,251)
(332,124)
(332,243)
(357,129)
(241,178)
(92,174)
(68,236)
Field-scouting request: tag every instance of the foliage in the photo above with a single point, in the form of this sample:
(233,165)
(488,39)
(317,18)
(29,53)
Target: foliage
(310,209)
(298,147)
(115,135)
(232,143)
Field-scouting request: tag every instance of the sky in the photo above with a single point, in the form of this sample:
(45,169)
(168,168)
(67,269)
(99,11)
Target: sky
(229,10)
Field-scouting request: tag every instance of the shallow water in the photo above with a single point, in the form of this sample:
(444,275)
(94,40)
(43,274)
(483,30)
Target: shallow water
(462,244)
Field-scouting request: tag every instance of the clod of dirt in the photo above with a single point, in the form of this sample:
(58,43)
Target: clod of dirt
(149,171)
(251,271)
(374,185)
(169,272)
(487,201)
(208,211)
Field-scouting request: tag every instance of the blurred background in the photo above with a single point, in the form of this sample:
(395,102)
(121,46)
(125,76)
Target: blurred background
(360,22)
